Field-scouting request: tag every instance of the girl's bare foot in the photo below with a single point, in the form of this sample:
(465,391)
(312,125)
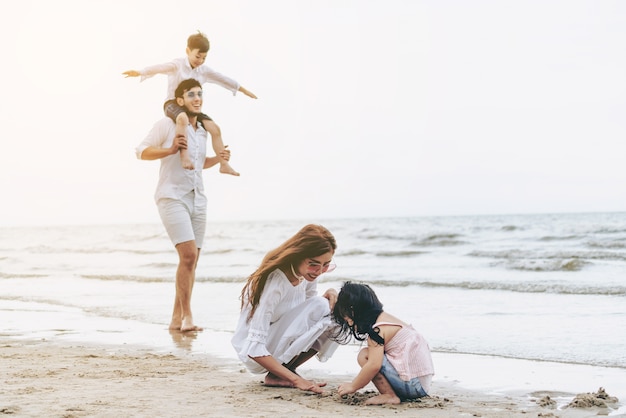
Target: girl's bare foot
(383,400)
(225,168)
(276,382)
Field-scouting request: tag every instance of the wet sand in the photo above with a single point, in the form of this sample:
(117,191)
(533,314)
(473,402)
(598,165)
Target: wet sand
(55,378)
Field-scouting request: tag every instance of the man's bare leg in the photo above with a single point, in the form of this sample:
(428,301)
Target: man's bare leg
(182,120)
(218,146)
(182,319)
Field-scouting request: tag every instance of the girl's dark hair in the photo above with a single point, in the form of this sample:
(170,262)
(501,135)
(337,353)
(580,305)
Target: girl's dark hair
(359,303)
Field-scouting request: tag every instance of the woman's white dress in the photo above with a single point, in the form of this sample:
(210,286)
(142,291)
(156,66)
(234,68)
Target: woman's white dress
(289,320)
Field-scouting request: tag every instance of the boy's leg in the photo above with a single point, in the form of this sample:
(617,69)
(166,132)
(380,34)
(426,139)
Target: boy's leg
(182,120)
(177,113)
(218,146)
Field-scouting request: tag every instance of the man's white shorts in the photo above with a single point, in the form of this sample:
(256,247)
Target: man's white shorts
(184,219)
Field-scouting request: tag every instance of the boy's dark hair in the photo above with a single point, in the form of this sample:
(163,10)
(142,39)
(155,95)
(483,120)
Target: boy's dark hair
(198,41)
(359,303)
(186,85)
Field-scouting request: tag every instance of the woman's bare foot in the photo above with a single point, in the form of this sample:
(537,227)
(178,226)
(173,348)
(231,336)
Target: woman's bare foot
(274,381)
(383,400)
(225,168)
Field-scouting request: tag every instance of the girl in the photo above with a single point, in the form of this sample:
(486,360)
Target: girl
(283,323)
(397,358)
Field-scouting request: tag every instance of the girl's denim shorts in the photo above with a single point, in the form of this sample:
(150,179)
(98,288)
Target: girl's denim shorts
(411,389)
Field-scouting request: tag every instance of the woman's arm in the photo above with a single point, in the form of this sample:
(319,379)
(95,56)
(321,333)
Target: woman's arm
(273,366)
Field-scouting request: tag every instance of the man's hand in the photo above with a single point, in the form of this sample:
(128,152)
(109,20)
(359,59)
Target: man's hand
(179,142)
(225,155)
(131,73)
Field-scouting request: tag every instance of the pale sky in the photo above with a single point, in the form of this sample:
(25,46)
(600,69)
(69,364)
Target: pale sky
(366,108)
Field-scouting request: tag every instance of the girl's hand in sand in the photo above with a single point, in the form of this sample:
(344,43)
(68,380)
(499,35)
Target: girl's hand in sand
(346,389)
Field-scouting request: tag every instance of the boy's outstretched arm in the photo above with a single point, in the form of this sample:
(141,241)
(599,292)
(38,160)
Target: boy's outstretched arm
(147,72)
(247,92)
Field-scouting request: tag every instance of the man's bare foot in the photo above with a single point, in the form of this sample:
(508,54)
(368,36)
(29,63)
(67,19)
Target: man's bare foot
(383,400)
(188,325)
(225,168)
(274,381)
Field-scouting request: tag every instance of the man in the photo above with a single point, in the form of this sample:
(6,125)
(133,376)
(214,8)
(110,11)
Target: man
(180,194)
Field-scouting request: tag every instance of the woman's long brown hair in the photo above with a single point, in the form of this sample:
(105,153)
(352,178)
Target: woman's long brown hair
(310,242)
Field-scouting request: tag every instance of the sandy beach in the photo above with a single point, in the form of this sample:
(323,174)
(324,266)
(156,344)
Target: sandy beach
(84,316)
(60,379)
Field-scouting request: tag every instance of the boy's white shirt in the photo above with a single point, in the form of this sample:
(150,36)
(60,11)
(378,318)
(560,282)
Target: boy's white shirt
(179,69)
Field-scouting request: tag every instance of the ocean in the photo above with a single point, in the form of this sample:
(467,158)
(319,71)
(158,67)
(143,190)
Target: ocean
(541,287)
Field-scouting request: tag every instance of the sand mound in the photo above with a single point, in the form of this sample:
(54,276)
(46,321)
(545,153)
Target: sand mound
(588,400)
